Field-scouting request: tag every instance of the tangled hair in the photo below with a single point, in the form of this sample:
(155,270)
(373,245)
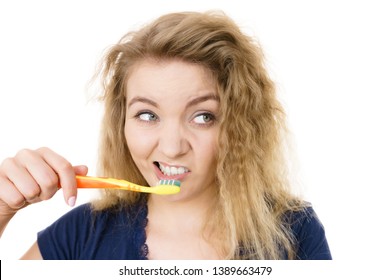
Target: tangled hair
(253,189)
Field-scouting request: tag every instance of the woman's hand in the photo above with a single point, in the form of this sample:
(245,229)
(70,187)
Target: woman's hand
(33,176)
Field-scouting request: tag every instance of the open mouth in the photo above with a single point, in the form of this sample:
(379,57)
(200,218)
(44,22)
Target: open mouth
(169,170)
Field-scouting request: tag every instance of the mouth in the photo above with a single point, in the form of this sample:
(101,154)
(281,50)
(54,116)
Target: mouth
(170,172)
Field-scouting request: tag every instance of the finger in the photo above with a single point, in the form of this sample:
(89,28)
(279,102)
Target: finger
(10,195)
(41,172)
(80,170)
(65,172)
(21,179)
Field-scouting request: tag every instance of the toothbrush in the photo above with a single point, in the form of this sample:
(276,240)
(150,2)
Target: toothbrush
(164,187)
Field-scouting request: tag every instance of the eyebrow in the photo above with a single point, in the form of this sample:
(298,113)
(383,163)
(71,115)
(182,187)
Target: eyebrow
(193,102)
(201,99)
(142,100)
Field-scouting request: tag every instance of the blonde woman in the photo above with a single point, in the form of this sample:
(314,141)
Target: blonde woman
(186,97)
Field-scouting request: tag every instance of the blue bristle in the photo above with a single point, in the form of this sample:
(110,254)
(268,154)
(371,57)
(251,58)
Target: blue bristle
(170,182)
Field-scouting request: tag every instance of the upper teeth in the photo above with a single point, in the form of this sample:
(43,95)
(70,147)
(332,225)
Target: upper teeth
(171,170)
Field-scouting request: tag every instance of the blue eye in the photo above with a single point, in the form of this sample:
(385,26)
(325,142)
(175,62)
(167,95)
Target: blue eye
(204,119)
(146,117)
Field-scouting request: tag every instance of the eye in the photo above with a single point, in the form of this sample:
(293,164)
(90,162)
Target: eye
(146,117)
(204,119)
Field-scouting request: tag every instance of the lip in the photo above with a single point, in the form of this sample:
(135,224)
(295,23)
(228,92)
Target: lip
(162,176)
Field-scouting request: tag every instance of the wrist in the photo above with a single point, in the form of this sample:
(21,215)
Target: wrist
(4,220)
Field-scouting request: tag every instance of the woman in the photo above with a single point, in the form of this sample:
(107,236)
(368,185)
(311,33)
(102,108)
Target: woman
(187,97)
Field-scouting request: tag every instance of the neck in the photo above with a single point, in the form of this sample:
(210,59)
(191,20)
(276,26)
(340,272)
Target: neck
(175,228)
(185,214)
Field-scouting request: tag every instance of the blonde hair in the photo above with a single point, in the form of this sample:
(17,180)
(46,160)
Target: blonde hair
(254,193)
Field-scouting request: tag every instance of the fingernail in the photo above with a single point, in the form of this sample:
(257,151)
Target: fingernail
(72,201)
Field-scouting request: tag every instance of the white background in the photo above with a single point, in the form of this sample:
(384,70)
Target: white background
(330,60)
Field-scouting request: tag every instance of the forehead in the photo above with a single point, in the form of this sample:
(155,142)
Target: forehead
(169,77)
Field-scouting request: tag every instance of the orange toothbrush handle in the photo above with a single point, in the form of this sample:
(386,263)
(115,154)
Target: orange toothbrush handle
(92,183)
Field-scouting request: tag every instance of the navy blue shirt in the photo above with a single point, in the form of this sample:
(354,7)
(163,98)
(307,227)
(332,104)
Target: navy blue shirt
(119,234)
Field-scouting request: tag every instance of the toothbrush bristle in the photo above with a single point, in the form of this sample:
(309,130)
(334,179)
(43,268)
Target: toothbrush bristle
(170,182)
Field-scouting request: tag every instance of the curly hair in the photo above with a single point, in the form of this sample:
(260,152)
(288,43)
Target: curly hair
(254,190)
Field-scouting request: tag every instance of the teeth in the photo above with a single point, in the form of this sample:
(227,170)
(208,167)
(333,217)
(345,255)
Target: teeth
(181,170)
(171,171)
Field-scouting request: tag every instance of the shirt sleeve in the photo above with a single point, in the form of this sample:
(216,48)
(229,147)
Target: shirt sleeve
(310,236)
(65,238)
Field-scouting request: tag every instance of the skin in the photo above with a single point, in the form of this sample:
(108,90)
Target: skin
(32,176)
(172,108)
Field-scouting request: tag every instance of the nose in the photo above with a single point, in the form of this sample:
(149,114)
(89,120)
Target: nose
(173,140)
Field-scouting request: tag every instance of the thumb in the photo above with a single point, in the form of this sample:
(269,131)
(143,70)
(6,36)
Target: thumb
(70,189)
(80,170)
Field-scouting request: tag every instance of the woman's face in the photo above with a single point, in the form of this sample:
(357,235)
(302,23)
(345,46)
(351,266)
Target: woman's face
(172,124)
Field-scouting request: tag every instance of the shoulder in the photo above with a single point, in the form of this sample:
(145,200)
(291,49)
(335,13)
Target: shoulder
(87,215)
(80,215)
(84,233)
(309,235)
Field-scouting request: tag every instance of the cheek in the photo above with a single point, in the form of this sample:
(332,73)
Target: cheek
(140,143)
(207,152)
